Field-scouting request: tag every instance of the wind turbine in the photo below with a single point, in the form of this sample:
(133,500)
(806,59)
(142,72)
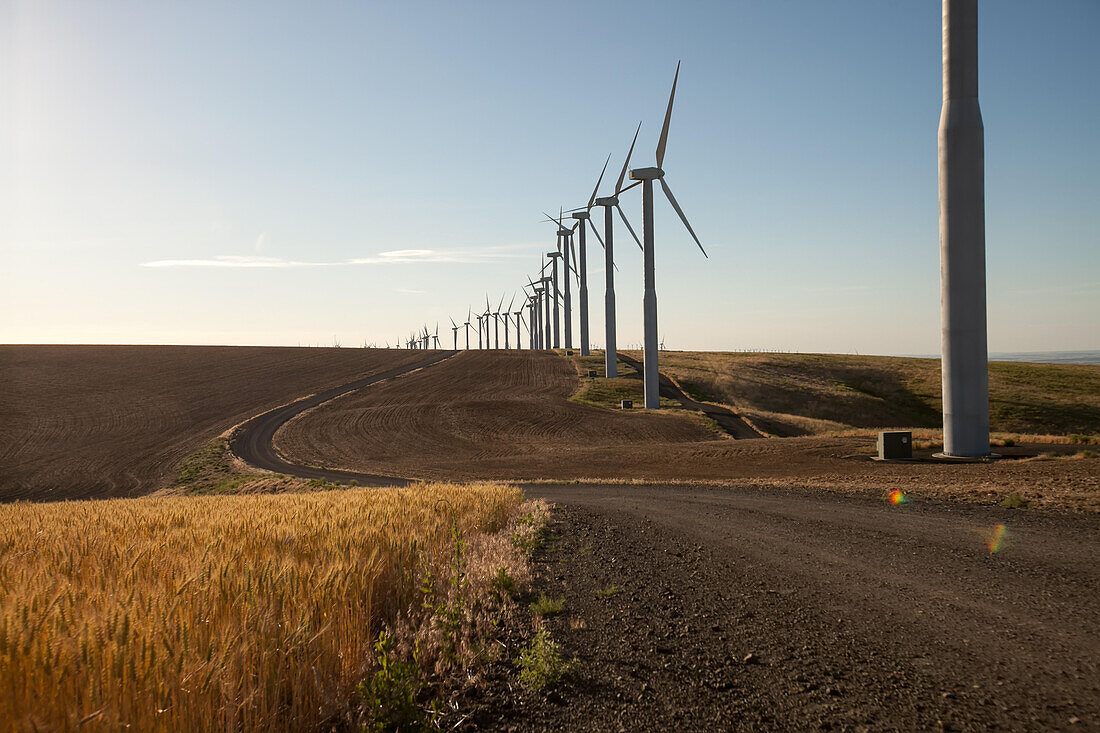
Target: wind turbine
(553,260)
(964,328)
(518,314)
(564,244)
(478,317)
(611,357)
(487,314)
(583,222)
(436,335)
(649,300)
(496,326)
(467,324)
(535,316)
(454,332)
(507,325)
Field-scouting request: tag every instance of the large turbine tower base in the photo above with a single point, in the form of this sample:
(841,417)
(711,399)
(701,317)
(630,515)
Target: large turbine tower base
(965,365)
(650,372)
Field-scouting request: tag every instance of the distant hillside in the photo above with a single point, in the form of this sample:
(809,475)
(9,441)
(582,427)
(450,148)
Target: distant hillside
(800,394)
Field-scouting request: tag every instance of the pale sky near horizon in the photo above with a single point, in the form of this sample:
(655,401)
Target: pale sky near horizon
(285,173)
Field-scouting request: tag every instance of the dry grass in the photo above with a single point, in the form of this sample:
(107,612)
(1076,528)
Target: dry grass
(221,612)
(822,394)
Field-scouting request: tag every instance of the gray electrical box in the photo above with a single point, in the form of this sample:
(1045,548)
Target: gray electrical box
(627,405)
(569,353)
(895,444)
(591,372)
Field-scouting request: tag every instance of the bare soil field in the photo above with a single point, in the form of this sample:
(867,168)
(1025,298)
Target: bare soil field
(802,394)
(509,416)
(99,421)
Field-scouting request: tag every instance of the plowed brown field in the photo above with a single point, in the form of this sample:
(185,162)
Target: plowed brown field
(98,421)
(507,416)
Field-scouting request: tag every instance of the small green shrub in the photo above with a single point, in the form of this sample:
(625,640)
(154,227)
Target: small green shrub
(1015,501)
(530,534)
(540,663)
(547,606)
(611,590)
(389,696)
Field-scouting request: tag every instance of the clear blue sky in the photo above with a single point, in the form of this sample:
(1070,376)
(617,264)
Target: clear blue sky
(316,138)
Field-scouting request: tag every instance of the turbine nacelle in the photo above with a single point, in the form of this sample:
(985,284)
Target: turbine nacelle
(579,215)
(646,174)
(554,254)
(563,232)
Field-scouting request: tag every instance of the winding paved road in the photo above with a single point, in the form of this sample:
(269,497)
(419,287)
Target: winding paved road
(252,441)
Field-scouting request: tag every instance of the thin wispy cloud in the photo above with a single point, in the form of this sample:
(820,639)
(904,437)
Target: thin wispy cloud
(470,255)
(236,261)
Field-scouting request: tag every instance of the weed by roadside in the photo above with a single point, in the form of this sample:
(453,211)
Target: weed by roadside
(611,590)
(541,663)
(544,605)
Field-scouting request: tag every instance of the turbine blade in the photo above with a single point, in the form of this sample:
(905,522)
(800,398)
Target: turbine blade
(630,228)
(453,322)
(672,200)
(592,198)
(575,225)
(622,173)
(500,303)
(668,118)
(512,301)
(594,231)
(632,185)
(573,262)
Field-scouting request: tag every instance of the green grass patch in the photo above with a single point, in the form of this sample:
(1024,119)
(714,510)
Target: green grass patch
(210,470)
(611,590)
(547,606)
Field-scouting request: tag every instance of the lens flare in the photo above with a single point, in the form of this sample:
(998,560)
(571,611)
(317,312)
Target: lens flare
(997,538)
(897,496)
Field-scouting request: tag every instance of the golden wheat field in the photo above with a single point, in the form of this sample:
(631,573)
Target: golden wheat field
(214,613)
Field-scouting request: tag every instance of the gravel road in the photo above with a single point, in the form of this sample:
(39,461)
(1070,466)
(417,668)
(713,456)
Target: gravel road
(787,610)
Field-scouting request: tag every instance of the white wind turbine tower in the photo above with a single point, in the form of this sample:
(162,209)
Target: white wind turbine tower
(505,314)
(478,317)
(649,301)
(519,317)
(467,325)
(496,325)
(611,355)
(436,335)
(583,222)
(487,315)
(547,283)
(454,332)
(535,318)
(564,245)
(553,260)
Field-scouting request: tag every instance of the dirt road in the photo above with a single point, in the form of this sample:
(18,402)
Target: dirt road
(856,614)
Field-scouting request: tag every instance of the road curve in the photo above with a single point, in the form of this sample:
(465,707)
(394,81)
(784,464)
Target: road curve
(252,441)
